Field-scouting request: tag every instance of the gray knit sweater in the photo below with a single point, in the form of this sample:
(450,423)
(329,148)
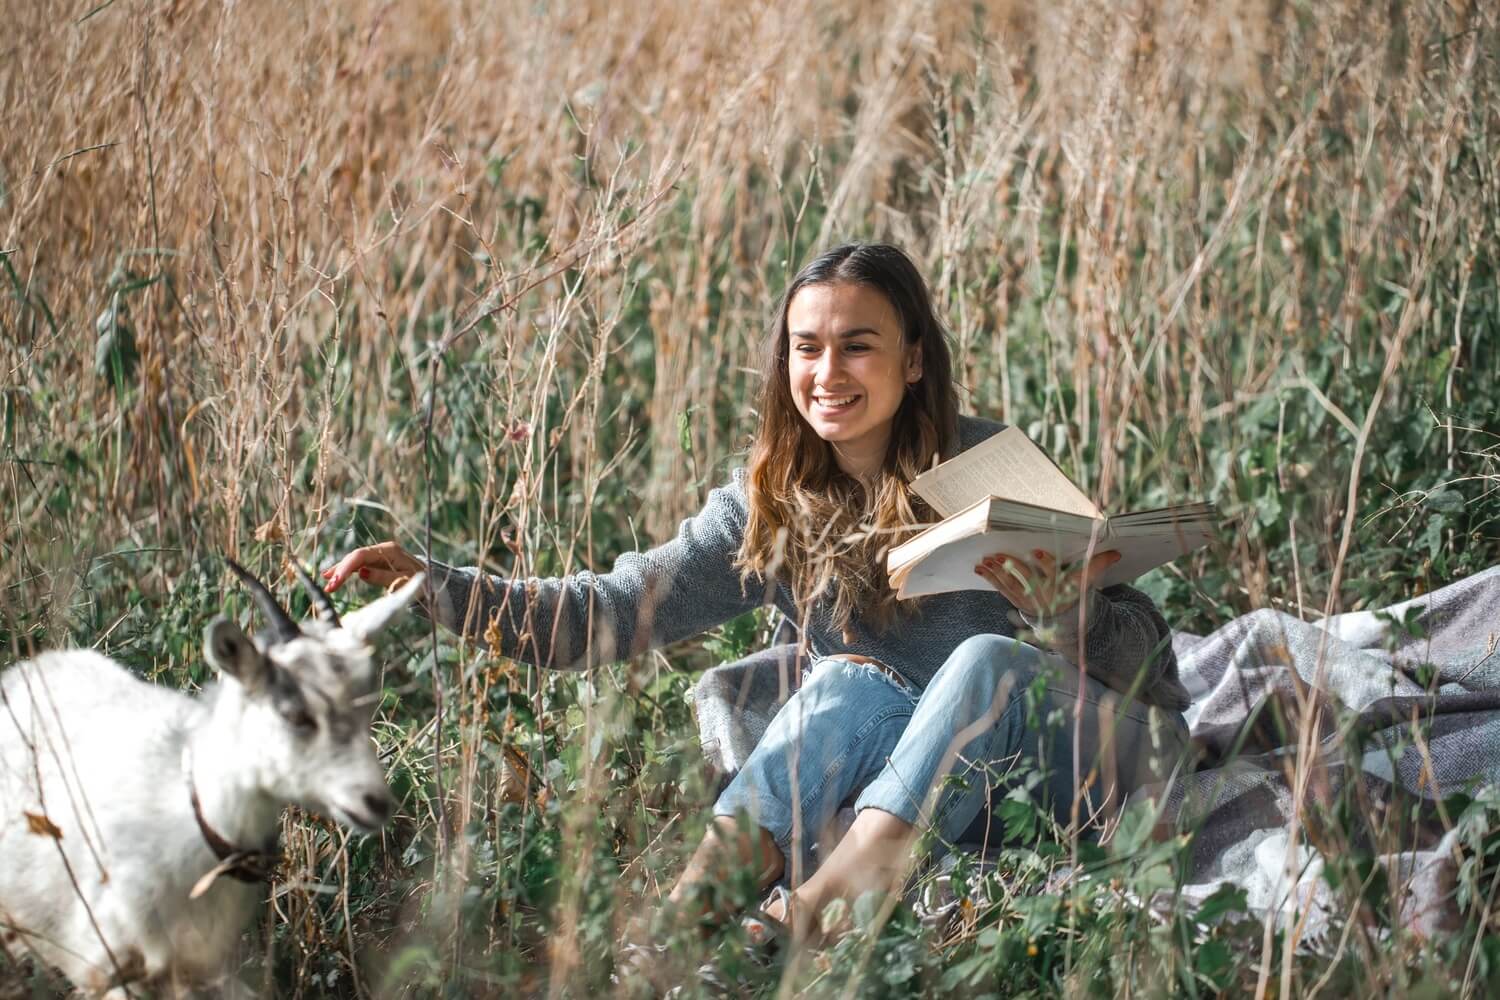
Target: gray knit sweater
(690,584)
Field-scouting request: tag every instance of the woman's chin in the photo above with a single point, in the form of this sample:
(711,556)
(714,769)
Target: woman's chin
(834,432)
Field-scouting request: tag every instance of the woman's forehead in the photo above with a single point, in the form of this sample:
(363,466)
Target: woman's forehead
(834,309)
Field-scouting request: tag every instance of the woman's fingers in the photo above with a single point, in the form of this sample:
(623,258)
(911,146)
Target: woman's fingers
(1013,568)
(1012,578)
(1058,586)
(986,569)
(1037,587)
(1041,580)
(352,564)
(382,578)
(1101,562)
(1083,577)
(1007,590)
(380,565)
(1016,573)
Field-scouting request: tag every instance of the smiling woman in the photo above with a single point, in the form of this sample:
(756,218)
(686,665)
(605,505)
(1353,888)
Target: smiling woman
(827,478)
(858,398)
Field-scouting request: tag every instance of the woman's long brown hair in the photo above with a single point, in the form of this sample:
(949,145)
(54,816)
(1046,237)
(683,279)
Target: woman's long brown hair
(811,525)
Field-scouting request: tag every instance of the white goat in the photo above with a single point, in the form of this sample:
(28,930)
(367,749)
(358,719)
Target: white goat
(136,822)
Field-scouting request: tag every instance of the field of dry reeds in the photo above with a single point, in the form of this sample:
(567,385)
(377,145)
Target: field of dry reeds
(492,279)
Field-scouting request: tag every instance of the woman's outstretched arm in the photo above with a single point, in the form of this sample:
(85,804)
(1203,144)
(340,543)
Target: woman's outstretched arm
(648,599)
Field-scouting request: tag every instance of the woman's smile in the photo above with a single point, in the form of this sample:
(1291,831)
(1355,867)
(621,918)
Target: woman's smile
(836,404)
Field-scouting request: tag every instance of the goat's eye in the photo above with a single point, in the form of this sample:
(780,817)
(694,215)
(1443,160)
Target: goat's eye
(301,720)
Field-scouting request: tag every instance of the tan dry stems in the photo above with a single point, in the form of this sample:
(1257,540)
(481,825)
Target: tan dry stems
(1110,200)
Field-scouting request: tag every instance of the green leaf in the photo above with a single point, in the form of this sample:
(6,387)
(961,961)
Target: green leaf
(1268,509)
(1019,816)
(1227,898)
(1039,914)
(1213,960)
(1445,500)
(1134,829)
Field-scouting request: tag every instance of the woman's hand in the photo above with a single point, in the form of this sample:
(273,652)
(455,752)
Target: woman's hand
(1037,589)
(381,565)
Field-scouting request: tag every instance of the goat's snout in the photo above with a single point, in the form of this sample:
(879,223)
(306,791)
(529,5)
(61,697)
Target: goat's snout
(379,806)
(365,809)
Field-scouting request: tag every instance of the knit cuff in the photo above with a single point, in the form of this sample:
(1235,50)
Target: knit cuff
(450,591)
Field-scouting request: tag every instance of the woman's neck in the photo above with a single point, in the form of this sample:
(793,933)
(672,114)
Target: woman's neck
(861,461)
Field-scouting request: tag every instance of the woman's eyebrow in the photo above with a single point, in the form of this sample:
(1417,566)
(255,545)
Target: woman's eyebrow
(812,335)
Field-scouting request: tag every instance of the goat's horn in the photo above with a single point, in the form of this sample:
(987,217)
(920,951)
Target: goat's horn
(319,596)
(281,623)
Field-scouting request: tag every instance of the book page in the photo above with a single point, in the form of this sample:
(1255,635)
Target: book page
(1008,466)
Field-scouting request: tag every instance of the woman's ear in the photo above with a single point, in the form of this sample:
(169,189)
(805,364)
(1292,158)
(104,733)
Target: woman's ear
(914,364)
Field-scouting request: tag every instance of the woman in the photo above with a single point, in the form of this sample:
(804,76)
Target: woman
(858,398)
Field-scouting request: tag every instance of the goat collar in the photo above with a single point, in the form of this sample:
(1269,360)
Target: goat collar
(237,863)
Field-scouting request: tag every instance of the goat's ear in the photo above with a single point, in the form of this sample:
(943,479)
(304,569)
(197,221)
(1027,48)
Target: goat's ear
(370,619)
(230,650)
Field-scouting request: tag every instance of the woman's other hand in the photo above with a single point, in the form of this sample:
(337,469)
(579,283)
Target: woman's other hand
(380,565)
(1038,589)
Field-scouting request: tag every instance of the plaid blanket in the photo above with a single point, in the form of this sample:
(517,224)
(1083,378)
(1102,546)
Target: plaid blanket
(1400,710)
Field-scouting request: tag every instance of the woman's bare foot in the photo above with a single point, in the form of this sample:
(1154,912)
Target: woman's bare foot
(874,856)
(725,849)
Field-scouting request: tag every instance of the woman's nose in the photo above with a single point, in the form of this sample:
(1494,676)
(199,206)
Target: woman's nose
(828,367)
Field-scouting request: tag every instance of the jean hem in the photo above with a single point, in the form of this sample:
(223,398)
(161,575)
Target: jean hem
(889,796)
(779,826)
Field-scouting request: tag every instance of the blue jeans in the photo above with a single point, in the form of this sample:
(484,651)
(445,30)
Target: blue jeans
(996,709)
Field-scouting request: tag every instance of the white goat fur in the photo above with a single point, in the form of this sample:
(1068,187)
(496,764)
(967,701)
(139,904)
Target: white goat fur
(99,847)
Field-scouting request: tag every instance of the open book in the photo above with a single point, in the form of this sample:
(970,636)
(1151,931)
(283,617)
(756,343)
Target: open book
(1006,495)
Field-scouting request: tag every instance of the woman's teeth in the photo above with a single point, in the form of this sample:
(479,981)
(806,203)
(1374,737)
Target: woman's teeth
(836,402)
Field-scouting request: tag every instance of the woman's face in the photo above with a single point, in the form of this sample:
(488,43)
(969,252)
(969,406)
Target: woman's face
(848,368)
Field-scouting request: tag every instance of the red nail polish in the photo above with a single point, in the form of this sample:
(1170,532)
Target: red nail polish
(364,574)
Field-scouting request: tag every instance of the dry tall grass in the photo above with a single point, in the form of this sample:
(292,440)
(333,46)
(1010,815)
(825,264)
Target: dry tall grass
(1156,228)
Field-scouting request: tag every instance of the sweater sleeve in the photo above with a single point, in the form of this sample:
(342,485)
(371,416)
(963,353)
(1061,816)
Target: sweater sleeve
(1128,646)
(648,599)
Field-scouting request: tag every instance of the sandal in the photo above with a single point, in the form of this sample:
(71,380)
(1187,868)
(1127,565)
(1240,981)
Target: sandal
(766,934)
